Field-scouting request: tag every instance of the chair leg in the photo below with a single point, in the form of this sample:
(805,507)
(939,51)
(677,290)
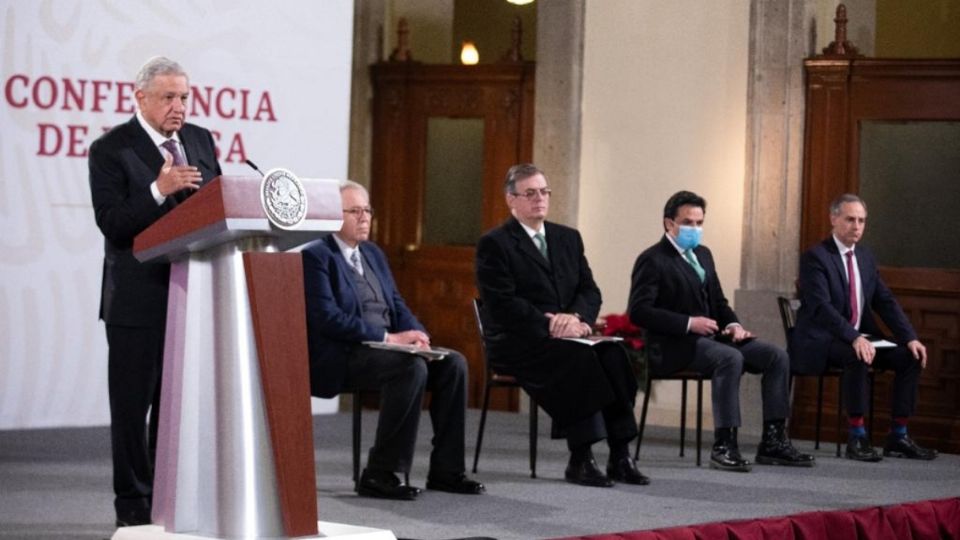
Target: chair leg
(357,417)
(483,422)
(534,432)
(872,381)
(839,412)
(790,401)
(643,417)
(699,417)
(816,444)
(683,416)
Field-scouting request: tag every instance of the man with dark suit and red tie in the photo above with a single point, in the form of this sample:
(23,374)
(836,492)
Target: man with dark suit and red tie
(840,291)
(537,289)
(352,298)
(675,295)
(139,171)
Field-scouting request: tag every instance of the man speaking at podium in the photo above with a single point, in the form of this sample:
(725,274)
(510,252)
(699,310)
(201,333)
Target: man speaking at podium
(351,299)
(139,171)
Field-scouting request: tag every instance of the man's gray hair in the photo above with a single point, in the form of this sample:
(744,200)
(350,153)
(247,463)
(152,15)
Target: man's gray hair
(519,172)
(350,184)
(158,65)
(844,199)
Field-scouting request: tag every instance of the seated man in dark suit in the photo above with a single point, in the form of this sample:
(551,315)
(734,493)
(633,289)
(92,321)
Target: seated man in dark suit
(536,288)
(351,298)
(675,295)
(835,313)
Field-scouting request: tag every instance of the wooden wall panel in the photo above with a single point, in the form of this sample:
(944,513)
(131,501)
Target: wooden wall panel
(438,280)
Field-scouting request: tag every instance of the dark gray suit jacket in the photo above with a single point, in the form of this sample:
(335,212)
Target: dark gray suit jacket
(123,163)
(665,292)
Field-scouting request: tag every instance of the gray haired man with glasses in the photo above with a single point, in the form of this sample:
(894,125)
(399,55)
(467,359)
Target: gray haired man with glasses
(537,289)
(352,298)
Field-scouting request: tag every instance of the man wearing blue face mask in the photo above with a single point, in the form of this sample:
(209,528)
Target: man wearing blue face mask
(675,295)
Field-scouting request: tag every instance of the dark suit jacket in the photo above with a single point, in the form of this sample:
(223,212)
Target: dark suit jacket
(517,285)
(335,321)
(123,163)
(825,306)
(665,292)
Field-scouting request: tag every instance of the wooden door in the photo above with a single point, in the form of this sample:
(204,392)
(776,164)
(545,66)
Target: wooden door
(863,116)
(443,139)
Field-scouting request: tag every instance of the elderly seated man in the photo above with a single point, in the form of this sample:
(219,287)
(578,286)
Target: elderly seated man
(351,298)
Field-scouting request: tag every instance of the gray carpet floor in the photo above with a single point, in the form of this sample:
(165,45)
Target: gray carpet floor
(56,484)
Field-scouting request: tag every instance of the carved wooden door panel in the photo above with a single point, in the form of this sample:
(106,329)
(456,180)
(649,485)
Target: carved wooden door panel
(444,137)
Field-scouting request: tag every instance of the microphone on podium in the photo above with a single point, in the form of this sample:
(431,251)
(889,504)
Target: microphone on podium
(254,167)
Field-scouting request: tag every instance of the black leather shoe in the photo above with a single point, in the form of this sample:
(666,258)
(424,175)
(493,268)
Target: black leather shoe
(904,447)
(860,449)
(385,485)
(133,518)
(586,473)
(726,456)
(625,470)
(454,483)
(776,449)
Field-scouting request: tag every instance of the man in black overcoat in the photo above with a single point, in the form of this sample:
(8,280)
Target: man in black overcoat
(537,289)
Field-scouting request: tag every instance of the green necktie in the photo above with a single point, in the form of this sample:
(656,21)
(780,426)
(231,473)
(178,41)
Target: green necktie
(701,273)
(541,244)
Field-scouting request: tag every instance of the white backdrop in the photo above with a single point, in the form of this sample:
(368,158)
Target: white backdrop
(273,81)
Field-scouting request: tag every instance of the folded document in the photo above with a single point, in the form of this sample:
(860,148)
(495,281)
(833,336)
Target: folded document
(429,354)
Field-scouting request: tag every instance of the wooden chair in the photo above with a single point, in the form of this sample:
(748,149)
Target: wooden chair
(683,377)
(496,380)
(788,316)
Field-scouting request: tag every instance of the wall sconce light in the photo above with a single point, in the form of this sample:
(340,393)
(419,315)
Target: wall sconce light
(468,54)
(520,2)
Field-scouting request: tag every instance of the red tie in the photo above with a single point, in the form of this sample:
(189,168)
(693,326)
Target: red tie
(852,280)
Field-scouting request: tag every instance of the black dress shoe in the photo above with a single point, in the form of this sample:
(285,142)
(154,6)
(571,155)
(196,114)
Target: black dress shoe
(860,449)
(904,447)
(625,470)
(385,485)
(726,457)
(586,473)
(131,522)
(454,483)
(775,448)
(133,518)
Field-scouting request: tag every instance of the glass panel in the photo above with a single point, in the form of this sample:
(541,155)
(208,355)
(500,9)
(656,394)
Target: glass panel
(454,181)
(910,180)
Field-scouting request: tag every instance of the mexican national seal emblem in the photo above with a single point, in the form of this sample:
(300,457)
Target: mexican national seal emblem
(283,198)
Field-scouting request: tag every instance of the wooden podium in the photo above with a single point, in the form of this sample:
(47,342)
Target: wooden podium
(235,449)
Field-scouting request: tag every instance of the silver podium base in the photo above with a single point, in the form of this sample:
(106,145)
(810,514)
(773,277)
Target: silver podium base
(326,529)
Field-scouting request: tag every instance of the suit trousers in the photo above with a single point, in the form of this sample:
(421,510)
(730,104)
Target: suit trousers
(725,363)
(906,377)
(615,421)
(402,379)
(134,368)
(588,391)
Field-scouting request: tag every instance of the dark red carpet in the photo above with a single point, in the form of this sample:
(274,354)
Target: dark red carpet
(934,519)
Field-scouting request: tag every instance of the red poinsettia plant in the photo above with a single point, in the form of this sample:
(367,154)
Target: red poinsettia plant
(618,324)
